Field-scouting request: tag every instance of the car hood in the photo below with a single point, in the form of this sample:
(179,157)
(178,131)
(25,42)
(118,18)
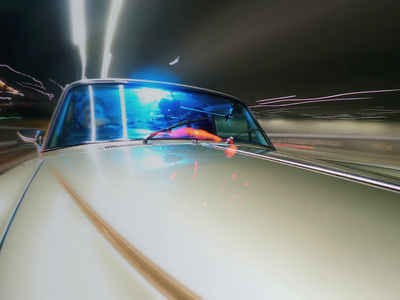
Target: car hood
(208,222)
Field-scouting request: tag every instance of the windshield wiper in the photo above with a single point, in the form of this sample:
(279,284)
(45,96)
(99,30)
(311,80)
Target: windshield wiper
(181,123)
(227,116)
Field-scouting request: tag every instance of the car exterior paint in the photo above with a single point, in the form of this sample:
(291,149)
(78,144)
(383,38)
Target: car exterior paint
(195,219)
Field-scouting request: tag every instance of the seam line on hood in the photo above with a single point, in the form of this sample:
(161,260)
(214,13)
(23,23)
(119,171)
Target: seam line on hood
(160,279)
(18,204)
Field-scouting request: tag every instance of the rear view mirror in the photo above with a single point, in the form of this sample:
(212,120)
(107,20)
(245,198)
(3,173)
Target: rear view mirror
(32,136)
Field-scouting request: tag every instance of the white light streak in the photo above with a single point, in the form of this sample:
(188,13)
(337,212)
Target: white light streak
(175,61)
(32,84)
(278,98)
(56,83)
(123,112)
(286,99)
(92,114)
(306,101)
(112,22)
(23,74)
(106,64)
(12,93)
(26,85)
(79,30)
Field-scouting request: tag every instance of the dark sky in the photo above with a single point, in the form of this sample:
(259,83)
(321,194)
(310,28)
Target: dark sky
(251,49)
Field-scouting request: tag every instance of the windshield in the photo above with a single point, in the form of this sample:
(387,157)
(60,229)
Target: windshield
(112,111)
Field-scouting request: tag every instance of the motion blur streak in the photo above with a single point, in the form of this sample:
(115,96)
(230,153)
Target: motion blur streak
(25,85)
(268,101)
(56,83)
(79,30)
(312,100)
(277,98)
(294,146)
(30,84)
(23,74)
(112,21)
(196,165)
(308,101)
(92,114)
(175,61)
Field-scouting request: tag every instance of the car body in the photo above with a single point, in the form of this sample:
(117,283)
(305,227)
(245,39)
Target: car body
(170,191)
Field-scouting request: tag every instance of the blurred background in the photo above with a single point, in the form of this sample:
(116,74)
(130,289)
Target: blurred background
(323,77)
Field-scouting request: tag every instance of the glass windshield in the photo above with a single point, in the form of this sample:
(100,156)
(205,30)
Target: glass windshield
(105,112)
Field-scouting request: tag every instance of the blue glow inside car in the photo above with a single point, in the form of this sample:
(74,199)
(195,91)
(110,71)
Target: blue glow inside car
(141,111)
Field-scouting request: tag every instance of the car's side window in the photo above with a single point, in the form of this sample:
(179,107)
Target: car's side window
(229,127)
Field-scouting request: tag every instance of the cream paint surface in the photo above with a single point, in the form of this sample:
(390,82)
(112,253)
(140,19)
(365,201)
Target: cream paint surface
(12,187)
(53,252)
(225,228)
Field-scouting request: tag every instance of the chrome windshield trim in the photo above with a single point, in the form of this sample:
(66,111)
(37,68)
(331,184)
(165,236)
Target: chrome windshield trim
(325,170)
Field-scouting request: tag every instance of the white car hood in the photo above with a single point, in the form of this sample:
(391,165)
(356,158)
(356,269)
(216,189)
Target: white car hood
(223,228)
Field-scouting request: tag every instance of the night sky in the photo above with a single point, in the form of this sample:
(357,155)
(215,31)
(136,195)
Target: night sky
(251,49)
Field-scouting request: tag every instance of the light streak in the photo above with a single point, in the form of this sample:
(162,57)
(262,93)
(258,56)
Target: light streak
(9,89)
(112,21)
(49,95)
(56,83)
(293,146)
(175,61)
(12,93)
(5,98)
(92,114)
(328,97)
(278,98)
(196,166)
(313,99)
(32,84)
(23,74)
(383,110)
(358,93)
(79,30)
(310,100)
(8,118)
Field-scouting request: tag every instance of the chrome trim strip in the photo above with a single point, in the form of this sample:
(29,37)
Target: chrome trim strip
(357,178)
(334,136)
(170,287)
